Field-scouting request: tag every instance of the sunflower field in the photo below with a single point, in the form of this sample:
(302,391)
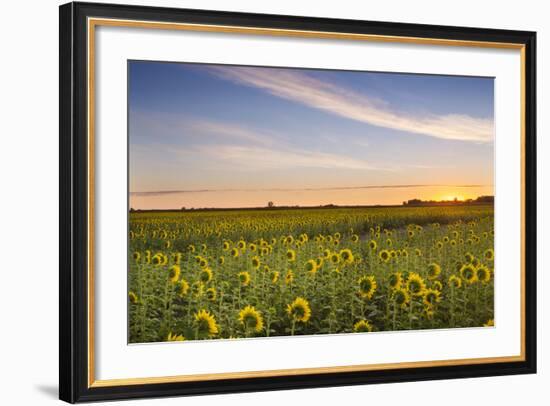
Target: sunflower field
(222,274)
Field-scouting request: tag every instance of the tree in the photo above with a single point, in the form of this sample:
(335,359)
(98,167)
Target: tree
(270,204)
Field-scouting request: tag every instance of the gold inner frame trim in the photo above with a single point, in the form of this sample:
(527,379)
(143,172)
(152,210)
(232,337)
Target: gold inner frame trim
(94,22)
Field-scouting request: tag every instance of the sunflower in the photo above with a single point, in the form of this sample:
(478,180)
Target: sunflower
(483,274)
(183,287)
(191,248)
(251,319)
(469,257)
(401,297)
(289,277)
(256,262)
(489,254)
(225,246)
(197,288)
(299,310)
(221,260)
(455,281)
(132,297)
(362,326)
(211,294)
(347,255)
(159,259)
(410,233)
(244,278)
(202,262)
(431,297)
(326,254)
(438,245)
(206,275)
(274,277)
(291,255)
(241,244)
(437,285)
(234,252)
(490,323)
(415,284)
(384,255)
(136,255)
(354,238)
(367,286)
(335,258)
(468,273)
(175,337)
(418,252)
(373,245)
(319,261)
(147,256)
(205,324)
(311,266)
(174,273)
(395,280)
(433,271)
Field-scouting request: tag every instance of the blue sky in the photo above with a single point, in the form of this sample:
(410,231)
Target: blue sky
(232,136)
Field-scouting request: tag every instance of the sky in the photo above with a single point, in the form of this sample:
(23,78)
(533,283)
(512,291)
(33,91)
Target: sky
(204,135)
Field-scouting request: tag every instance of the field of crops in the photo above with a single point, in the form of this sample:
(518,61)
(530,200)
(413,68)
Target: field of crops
(259,273)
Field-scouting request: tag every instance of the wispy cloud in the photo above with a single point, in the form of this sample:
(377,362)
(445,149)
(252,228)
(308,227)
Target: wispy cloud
(258,158)
(160,127)
(231,131)
(307,90)
(305,189)
(242,147)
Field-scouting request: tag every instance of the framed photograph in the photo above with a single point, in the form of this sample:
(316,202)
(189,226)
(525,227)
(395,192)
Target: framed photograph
(257,202)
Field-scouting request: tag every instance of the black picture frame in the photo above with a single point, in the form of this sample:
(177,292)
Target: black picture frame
(73,283)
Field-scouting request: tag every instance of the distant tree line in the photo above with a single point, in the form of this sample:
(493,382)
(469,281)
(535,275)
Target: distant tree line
(479,200)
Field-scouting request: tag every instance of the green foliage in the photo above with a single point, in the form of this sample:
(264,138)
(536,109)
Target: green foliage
(262,239)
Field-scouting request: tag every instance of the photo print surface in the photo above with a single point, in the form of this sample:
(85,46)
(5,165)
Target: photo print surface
(270,201)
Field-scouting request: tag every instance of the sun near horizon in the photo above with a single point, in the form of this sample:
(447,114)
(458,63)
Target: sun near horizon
(230,136)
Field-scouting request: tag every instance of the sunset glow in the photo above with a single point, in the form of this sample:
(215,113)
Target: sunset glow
(229,136)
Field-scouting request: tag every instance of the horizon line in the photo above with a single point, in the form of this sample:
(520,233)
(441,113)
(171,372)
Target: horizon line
(404,186)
